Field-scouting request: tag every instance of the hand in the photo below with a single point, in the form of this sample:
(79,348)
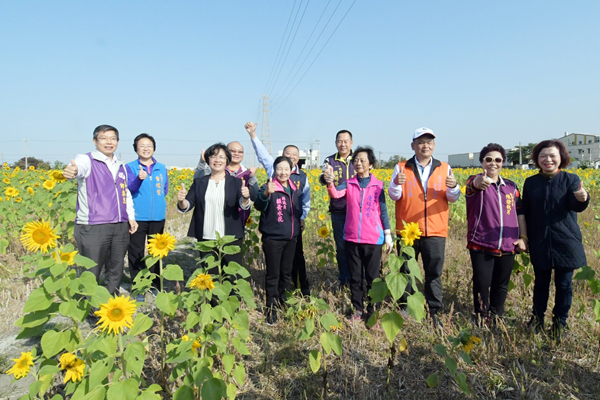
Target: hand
(482,182)
(182,193)
(143,174)
(389,243)
(133,226)
(520,245)
(251,129)
(202,156)
(71,170)
(245,190)
(400,179)
(580,193)
(451,180)
(252,171)
(301,225)
(328,175)
(270,188)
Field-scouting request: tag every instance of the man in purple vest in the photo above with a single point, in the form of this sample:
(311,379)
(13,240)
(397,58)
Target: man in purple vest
(105,215)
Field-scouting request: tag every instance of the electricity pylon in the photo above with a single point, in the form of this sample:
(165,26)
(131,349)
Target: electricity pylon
(265,133)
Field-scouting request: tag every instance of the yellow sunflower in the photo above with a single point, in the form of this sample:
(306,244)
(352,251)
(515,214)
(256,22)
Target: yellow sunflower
(58,176)
(22,365)
(202,282)
(326,198)
(6,180)
(31,168)
(469,341)
(160,244)
(69,258)
(317,187)
(323,232)
(1,198)
(249,221)
(39,236)
(195,345)
(73,365)
(410,233)
(30,190)
(11,192)
(322,217)
(49,184)
(116,315)
(18,199)
(178,187)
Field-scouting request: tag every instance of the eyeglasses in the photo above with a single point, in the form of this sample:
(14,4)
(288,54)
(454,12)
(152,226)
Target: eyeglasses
(219,157)
(107,139)
(498,160)
(145,147)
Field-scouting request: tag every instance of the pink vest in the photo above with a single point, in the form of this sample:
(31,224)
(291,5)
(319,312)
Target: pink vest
(363,218)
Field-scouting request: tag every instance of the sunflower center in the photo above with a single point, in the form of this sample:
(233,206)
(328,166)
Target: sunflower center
(22,363)
(64,257)
(116,314)
(40,236)
(160,245)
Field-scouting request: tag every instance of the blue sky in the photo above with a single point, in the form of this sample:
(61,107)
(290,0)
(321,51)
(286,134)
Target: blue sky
(191,73)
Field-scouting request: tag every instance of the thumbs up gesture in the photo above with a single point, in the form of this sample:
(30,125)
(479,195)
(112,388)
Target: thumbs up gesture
(181,194)
(270,188)
(482,182)
(143,174)
(245,190)
(450,180)
(580,193)
(71,170)
(400,179)
(328,174)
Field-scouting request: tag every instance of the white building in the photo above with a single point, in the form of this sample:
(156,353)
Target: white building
(582,146)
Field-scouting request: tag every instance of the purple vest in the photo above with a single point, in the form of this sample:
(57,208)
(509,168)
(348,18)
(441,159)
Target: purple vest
(363,217)
(492,217)
(102,198)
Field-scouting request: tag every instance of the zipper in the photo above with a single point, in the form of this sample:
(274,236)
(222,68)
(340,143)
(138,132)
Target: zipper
(117,192)
(501,216)
(362,198)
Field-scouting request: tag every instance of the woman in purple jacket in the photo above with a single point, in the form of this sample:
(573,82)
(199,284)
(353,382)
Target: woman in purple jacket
(367,227)
(496,231)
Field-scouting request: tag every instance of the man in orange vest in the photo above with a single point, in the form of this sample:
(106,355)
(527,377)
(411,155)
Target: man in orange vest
(422,188)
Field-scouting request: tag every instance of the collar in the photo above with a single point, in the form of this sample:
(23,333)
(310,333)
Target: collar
(347,160)
(102,157)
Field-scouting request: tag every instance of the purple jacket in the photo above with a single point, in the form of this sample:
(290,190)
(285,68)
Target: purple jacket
(100,198)
(492,214)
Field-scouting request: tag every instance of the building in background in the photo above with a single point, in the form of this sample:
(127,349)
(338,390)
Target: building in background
(583,147)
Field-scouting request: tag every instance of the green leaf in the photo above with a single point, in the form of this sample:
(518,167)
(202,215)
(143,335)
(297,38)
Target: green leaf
(245,291)
(192,320)
(53,285)
(328,320)
(100,370)
(3,246)
(336,343)
(440,349)
(83,261)
(396,283)
(415,305)
(466,357)
(314,360)
(141,324)
(231,391)
(167,302)
(58,269)
(123,390)
(597,310)
(239,373)
(527,279)
(150,393)
(231,249)
(228,362)
(73,308)
(150,261)
(451,365)
(391,323)
(594,286)
(173,272)
(106,344)
(462,382)
(240,347)
(49,370)
(37,318)
(38,300)
(414,269)
(184,393)
(379,291)
(100,296)
(213,389)
(325,342)
(409,251)
(53,342)
(511,285)
(134,354)
(433,380)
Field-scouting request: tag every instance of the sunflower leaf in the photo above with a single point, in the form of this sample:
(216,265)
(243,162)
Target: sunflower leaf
(173,272)
(84,261)
(38,300)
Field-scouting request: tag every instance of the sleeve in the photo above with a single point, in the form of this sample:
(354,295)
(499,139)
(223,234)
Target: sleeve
(263,155)
(133,180)
(240,198)
(166,183)
(202,169)
(253,187)
(574,204)
(385,219)
(395,191)
(262,202)
(84,166)
(452,194)
(305,199)
(129,205)
(321,178)
(470,188)
(337,192)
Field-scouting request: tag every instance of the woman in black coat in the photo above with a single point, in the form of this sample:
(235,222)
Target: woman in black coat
(551,201)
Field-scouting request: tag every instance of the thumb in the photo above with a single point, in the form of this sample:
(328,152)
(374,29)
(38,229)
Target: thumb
(401,170)
(243,182)
(450,172)
(580,186)
(141,168)
(73,162)
(485,172)
(271,180)
(182,186)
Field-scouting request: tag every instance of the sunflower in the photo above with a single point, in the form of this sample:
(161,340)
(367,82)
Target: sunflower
(410,233)
(178,187)
(49,184)
(326,198)
(7,181)
(1,198)
(58,176)
(22,365)
(317,188)
(160,244)
(31,168)
(30,190)
(18,199)
(73,365)
(11,192)
(202,282)
(49,205)
(116,315)
(322,217)
(39,235)
(249,221)
(195,345)
(323,232)
(62,257)
(468,341)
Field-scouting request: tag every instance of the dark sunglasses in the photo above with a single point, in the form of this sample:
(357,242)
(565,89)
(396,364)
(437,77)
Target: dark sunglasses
(490,159)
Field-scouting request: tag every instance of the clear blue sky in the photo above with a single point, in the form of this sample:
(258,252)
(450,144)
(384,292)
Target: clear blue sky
(192,73)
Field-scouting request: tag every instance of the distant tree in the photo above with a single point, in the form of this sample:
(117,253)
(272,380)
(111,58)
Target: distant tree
(513,155)
(391,163)
(58,165)
(37,163)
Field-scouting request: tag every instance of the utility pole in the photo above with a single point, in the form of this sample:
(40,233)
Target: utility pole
(380,161)
(520,154)
(319,155)
(265,133)
(26,166)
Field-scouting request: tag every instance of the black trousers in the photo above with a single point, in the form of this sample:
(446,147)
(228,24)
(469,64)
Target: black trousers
(299,277)
(563,296)
(363,259)
(431,249)
(491,275)
(105,244)
(279,256)
(137,248)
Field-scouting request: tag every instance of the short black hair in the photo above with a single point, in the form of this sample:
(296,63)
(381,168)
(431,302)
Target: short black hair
(143,136)
(343,131)
(370,154)
(492,147)
(105,128)
(291,145)
(214,150)
(281,159)
(565,158)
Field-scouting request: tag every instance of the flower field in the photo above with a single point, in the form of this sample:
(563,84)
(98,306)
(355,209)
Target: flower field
(204,336)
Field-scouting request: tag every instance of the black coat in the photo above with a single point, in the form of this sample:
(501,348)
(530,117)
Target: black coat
(550,209)
(196,198)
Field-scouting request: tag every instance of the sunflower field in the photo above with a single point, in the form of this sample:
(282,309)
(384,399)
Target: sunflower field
(202,335)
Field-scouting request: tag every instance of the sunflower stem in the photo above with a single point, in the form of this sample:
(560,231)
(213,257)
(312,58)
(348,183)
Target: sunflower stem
(122,352)
(162,322)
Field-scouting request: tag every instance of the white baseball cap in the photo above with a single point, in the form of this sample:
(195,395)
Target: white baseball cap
(422,131)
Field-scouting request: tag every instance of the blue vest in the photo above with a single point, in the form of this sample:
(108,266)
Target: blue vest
(149,201)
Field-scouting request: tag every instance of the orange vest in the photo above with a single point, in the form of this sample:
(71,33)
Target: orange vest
(429,211)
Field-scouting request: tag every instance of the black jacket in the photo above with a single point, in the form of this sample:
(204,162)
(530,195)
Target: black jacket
(233,193)
(280,212)
(550,209)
